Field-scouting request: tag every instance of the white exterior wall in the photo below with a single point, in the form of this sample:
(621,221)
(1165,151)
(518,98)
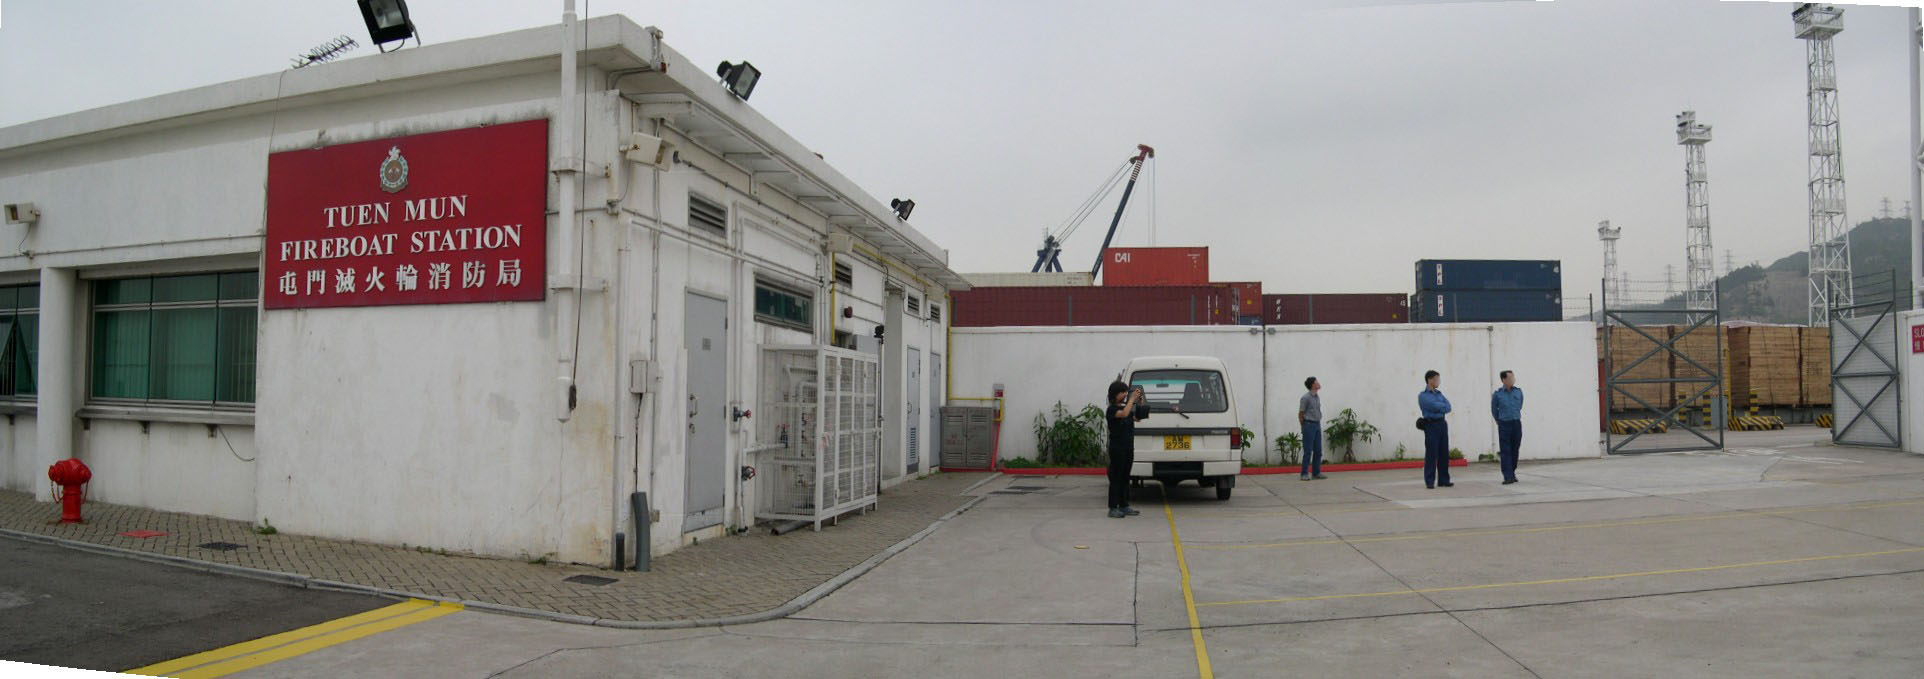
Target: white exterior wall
(18,441)
(1376,370)
(430,425)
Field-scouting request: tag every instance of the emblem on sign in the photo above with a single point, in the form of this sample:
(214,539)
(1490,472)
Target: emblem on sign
(394,171)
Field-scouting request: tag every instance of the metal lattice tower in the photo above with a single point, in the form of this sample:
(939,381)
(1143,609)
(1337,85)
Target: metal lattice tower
(1700,277)
(1830,249)
(1612,285)
(1669,281)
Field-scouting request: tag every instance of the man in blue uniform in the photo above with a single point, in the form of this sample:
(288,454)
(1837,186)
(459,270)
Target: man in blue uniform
(1436,431)
(1506,405)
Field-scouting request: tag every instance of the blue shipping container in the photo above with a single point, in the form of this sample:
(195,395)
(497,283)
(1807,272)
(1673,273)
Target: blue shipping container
(1489,274)
(1490,306)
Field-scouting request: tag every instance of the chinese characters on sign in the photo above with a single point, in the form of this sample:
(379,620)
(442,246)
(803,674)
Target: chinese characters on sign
(439,218)
(1917,339)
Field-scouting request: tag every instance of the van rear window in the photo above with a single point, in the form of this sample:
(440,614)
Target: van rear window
(1195,391)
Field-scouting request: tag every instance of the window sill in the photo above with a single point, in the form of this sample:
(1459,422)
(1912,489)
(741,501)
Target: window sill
(181,415)
(19,408)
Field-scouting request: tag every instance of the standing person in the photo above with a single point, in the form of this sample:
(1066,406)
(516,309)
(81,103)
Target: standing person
(1309,414)
(1125,408)
(1436,431)
(1506,406)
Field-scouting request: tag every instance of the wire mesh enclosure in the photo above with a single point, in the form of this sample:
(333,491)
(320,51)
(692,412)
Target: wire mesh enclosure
(822,431)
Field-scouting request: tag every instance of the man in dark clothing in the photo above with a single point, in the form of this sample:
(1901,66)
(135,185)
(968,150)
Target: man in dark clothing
(1436,431)
(1506,406)
(1125,409)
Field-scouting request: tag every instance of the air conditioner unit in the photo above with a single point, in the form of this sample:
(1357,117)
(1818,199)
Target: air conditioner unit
(649,149)
(22,213)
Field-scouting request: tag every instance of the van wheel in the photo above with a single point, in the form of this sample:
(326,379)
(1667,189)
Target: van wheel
(1222,491)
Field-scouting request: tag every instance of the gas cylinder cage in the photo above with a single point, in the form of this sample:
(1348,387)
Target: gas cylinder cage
(819,432)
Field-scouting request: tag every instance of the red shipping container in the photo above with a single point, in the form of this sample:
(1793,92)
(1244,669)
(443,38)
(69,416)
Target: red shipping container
(1338,308)
(1070,306)
(1249,297)
(1155,266)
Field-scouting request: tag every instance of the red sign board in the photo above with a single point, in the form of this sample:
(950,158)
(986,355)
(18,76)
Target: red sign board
(439,218)
(1917,339)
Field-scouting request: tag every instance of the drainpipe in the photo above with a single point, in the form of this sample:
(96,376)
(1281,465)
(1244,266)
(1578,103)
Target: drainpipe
(566,168)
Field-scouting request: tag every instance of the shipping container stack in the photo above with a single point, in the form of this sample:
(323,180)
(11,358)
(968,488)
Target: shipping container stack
(1335,309)
(1140,286)
(1487,291)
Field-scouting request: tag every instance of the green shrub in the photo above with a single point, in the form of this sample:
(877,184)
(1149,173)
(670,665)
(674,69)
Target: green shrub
(1289,446)
(1071,439)
(1456,454)
(1347,430)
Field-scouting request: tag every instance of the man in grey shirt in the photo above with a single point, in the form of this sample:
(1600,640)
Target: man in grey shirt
(1309,412)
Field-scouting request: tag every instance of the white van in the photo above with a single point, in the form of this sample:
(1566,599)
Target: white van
(1192,431)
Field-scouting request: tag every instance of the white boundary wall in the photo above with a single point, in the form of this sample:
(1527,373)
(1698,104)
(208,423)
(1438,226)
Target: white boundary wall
(1375,369)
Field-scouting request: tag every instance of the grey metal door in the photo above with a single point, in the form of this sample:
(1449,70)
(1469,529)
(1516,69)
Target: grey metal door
(1863,365)
(706,455)
(915,410)
(934,406)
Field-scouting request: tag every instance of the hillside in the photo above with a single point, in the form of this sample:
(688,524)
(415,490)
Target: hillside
(1779,293)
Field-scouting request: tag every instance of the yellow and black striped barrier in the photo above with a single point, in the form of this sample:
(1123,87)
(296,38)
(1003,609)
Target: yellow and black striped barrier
(1628,427)
(1824,421)
(1756,423)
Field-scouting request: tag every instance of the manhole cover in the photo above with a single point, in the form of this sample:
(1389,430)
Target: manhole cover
(588,580)
(222,546)
(143,533)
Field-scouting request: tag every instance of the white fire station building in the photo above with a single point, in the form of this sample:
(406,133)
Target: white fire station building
(359,300)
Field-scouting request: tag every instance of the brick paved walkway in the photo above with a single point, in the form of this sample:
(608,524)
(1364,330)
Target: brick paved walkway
(731,576)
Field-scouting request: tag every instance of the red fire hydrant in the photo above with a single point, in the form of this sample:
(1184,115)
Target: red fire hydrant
(71,475)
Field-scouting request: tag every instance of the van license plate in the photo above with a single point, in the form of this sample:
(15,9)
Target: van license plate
(1175,443)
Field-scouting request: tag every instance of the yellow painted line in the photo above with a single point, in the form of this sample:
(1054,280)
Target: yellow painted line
(1559,581)
(1559,527)
(247,662)
(1188,595)
(282,639)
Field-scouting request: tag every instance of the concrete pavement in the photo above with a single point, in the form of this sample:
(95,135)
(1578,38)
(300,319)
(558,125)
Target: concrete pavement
(1781,557)
(92,611)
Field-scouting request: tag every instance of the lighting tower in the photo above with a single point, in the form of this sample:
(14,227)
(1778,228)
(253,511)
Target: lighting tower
(1699,278)
(1830,249)
(1612,285)
(1669,281)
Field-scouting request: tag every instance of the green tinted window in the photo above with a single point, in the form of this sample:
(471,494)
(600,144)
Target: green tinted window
(199,288)
(124,291)
(182,339)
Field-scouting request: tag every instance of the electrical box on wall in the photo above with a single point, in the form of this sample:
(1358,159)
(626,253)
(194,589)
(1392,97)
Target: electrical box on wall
(643,376)
(841,243)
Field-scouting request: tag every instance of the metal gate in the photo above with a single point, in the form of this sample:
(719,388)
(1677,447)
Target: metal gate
(1865,399)
(1663,377)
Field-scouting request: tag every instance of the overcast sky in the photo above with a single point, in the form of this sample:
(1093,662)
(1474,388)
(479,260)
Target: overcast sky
(1317,147)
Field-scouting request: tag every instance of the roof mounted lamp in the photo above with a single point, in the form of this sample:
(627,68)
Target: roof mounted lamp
(387,21)
(902,207)
(739,78)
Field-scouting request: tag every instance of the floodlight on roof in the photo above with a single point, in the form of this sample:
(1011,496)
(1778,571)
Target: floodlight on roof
(739,78)
(387,21)
(902,207)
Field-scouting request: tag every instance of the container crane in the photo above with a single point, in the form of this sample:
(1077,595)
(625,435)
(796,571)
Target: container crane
(1047,259)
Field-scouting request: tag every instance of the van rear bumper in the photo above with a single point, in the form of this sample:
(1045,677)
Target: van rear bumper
(1185,470)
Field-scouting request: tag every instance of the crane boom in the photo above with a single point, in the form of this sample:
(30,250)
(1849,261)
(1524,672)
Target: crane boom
(1143,153)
